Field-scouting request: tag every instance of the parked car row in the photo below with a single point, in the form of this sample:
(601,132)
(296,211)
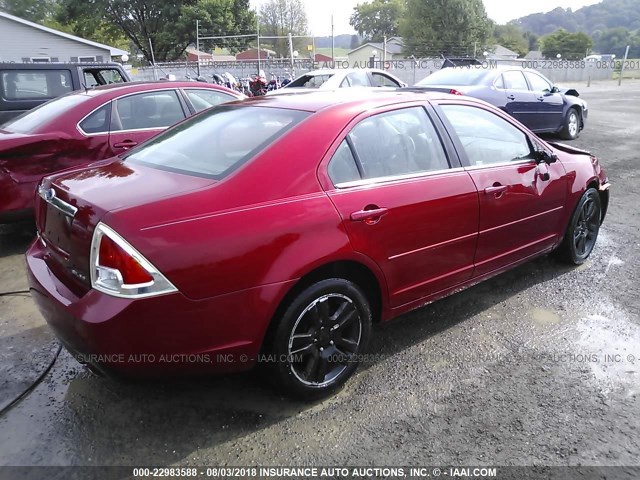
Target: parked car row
(278,227)
(86,126)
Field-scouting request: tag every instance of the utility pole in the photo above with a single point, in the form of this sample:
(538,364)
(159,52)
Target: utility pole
(626,52)
(153,59)
(291,53)
(333,55)
(384,50)
(198,44)
(259,53)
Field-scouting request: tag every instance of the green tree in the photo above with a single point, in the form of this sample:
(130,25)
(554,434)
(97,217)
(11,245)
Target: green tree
(375,19)
(281,17)
(511,37)
(448,27)
(37,11)
(615,40)
(571,46)
(170,26)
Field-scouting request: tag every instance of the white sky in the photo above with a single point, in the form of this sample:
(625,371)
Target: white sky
(319,11)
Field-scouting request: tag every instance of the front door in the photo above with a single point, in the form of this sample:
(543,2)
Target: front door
(403,205)
(520,206)
(520,101)
(548,114)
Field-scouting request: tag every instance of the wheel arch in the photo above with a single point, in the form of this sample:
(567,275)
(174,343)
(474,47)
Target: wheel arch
(355,271)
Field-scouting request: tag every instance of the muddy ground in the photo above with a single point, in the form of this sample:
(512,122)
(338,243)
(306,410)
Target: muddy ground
(539,366)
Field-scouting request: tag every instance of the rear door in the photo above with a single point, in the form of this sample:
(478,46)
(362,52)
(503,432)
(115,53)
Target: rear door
(548,114)
(138,117)
(521,210)
(405,203)
(520,101)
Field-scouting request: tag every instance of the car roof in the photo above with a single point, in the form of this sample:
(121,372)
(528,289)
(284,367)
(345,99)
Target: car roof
(316,100)
(131,87)
(333,71)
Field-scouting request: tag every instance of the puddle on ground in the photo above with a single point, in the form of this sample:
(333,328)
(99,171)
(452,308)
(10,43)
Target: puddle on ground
(543,317)
(615,340)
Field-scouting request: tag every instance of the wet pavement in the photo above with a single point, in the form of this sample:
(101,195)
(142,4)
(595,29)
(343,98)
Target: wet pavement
(539,365)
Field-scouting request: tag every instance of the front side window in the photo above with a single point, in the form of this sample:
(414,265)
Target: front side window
(487,139)
(514,80)
(147,110)
(218,141)
(35,85)
(202,99)
(396,143)
(538,84)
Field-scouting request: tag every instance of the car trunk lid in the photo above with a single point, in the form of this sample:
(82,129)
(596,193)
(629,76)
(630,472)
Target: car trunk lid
(70,205)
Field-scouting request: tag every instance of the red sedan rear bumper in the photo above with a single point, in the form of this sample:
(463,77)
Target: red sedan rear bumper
(168,334)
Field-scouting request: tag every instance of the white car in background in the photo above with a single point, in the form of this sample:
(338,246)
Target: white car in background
(327,79)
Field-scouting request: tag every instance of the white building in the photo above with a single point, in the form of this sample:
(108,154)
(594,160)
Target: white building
(25,41)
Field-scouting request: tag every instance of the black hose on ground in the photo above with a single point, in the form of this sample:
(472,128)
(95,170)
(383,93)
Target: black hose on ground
(17,292)
(38,380)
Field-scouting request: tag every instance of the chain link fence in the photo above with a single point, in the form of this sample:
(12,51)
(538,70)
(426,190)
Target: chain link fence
(409,71)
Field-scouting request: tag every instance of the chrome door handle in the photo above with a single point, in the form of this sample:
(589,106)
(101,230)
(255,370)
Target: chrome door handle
(495,190)
(363,215)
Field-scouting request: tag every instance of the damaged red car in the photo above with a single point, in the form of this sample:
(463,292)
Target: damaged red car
(86,126)
(275,231)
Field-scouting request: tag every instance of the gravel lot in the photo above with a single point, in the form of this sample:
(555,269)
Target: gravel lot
(538,366)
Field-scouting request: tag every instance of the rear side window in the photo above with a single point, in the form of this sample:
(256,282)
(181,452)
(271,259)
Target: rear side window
(202,99)
(343,167)
(35,85)
(147,111)
(356,79)
(310,81)
(514,80)
(396,143)
(98,121)
(102,76)
(218,141)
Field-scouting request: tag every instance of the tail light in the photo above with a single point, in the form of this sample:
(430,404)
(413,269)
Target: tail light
(120,270)
(453,91)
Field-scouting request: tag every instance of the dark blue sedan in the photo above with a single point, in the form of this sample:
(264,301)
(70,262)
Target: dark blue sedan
(525,94)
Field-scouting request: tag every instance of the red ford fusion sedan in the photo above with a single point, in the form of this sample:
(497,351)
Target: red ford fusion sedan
(278,229)
(91,125)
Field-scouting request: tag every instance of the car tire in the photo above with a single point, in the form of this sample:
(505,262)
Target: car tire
(582,231)
(571,125)
(319,339)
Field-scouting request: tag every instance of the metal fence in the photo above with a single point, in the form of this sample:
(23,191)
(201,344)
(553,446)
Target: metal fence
(409,71)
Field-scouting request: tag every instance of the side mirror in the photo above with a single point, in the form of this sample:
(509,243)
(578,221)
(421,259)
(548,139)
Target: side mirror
(555,89)
(543,156)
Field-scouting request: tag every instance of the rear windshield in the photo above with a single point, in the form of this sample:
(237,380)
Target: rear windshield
(455,76)
(216,142)
(310,81)
(32,120)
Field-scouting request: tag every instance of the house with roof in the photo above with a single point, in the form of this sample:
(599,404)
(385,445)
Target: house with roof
(252,54)
(360,56)
(25,41)
(534,55)
(502,53)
